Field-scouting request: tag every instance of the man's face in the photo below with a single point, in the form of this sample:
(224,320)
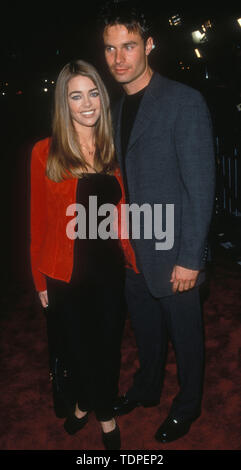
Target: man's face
(125,53)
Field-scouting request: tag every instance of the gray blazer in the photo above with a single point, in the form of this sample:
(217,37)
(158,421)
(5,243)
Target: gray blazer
(170,160)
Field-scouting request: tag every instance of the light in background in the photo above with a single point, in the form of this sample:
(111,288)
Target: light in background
(198,53)
(175,20)
(200,36)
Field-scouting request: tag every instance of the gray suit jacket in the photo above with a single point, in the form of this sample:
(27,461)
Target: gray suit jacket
(170,160)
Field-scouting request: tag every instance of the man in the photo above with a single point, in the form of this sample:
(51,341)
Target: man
(165,149)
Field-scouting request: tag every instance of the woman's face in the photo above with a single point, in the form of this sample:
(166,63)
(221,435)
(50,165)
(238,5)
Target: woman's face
(84,102)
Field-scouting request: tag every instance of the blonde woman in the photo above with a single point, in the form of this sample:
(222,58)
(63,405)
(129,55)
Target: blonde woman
(81,278)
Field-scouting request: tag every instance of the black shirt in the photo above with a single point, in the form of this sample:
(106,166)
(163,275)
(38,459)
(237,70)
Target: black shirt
(96,258)
(129,112)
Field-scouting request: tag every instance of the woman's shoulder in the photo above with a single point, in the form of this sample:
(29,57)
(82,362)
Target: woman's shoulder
(40,149)
(117,172)
(42,145)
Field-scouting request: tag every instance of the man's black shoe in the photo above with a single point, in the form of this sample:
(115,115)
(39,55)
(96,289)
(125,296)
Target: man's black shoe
(172,429)
(124,406)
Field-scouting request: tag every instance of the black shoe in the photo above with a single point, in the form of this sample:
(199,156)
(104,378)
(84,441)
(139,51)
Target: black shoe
(73,424)
(112,440)
(123,405)
(172,429)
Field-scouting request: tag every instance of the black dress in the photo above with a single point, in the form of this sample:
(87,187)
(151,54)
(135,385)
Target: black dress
(86,316)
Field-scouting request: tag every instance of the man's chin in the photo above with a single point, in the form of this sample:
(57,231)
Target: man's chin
(122,80)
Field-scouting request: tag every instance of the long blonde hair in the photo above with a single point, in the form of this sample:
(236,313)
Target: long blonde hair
(65,156)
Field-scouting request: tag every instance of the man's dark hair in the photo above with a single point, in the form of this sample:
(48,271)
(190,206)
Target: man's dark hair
(126,13)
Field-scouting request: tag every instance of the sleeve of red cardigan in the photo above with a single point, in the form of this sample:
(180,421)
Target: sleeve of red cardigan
(37,214)
(122,229)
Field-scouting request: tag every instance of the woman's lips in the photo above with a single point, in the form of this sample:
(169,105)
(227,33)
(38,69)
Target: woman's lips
(88,113)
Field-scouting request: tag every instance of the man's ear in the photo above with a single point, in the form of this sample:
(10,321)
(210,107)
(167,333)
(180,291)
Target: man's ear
(149,45)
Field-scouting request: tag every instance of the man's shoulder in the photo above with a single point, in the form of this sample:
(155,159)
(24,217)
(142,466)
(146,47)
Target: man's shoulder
(115,104)
(115,108)
(174,89)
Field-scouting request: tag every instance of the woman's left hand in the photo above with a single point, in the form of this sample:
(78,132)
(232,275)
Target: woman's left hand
(43,295)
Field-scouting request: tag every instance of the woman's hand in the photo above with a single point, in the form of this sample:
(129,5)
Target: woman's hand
(43,295)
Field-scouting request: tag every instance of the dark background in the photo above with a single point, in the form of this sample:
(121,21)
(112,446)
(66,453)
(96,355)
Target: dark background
(37,42)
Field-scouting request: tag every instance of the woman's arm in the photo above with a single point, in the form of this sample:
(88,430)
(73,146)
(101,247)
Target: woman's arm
(122,229)
(43,295)
(37,214)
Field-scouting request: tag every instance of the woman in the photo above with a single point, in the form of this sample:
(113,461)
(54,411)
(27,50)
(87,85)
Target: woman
(80,278)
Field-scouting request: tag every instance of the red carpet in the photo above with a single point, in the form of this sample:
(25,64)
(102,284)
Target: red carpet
(27,417)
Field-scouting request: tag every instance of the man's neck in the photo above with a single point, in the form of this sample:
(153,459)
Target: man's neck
(140,83)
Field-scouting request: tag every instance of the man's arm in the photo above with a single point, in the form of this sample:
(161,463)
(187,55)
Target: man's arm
(195,155)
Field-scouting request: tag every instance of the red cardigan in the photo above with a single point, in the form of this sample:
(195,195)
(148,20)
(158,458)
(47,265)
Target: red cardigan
(52,251)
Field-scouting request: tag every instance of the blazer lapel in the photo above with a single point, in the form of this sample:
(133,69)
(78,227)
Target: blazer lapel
(148,107)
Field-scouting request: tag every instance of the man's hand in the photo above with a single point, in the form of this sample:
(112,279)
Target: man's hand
(183,279)
(43,295)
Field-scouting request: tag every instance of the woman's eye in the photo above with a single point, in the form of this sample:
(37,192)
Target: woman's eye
(94,94)
(76,97)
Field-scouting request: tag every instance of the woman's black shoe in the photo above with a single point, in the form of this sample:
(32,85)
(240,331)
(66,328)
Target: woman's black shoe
(112,440)
(73,424)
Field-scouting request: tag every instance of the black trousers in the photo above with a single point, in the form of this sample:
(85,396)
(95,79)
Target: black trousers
(154,320)
(87,325)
